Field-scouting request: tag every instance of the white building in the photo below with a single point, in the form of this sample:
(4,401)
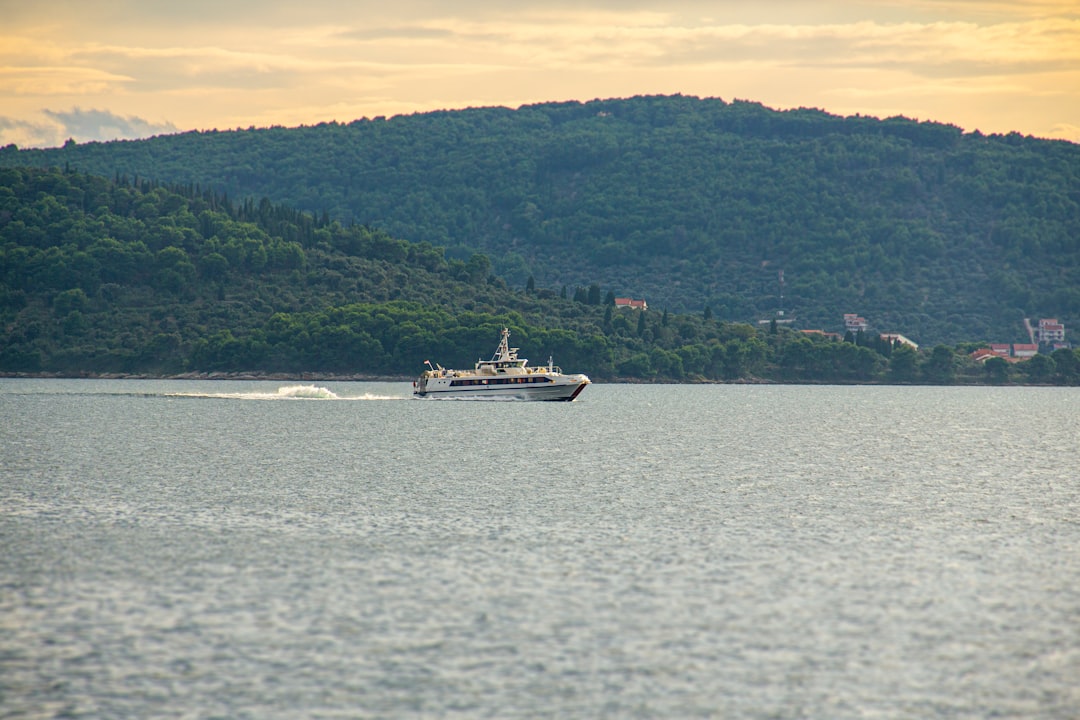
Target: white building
(853,323)
(1051,331)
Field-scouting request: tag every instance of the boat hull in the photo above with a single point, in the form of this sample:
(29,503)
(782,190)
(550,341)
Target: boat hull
(554,392)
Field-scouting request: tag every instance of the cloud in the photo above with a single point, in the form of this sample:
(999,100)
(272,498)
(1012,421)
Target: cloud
(399,32)
(955,49)
(203,63)
(41,81)
(54,127)
(1064,131)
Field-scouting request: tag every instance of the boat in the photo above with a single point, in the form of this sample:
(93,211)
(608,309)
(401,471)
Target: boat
(504,376)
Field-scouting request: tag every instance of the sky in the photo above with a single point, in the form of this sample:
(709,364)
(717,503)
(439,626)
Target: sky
(109,69)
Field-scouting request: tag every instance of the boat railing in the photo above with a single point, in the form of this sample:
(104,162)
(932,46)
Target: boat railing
(555,369)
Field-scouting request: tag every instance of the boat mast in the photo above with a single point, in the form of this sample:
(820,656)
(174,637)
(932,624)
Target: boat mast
(503,353)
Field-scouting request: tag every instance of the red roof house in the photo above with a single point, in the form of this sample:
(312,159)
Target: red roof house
(631,303)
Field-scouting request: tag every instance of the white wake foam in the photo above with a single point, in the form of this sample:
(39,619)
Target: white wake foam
(306,392)
(288,392)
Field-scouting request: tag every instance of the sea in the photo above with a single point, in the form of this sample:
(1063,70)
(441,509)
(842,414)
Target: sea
(221,549)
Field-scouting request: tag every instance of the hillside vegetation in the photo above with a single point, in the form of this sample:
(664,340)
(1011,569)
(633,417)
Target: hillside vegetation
(103,276)
(690,203)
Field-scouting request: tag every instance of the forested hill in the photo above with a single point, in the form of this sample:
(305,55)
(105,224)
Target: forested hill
(102,276)
(690,203)
(98,276)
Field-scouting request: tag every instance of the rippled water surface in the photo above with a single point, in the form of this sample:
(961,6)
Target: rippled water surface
(276,550)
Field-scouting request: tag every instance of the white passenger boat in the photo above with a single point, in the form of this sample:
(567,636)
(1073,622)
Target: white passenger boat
(505,375)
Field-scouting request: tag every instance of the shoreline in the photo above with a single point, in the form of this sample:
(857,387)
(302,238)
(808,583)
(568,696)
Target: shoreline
(255,376)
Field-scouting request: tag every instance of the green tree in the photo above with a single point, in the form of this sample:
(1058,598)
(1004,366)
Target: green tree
(939,368)
(1066,365)
(638,365)
(74,323)
(903,364)
(1040,369)
(594,294)
(214,266)
(70,301)
(478,268)
(997,370)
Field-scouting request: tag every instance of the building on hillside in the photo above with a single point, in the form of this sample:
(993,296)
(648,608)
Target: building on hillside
(983,354)
(854,323)
(826,335)
(630,303)
(1015,352)
(895,338)
(1050,331)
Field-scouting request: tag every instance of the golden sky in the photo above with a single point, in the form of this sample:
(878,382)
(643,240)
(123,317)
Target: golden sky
(104,69)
